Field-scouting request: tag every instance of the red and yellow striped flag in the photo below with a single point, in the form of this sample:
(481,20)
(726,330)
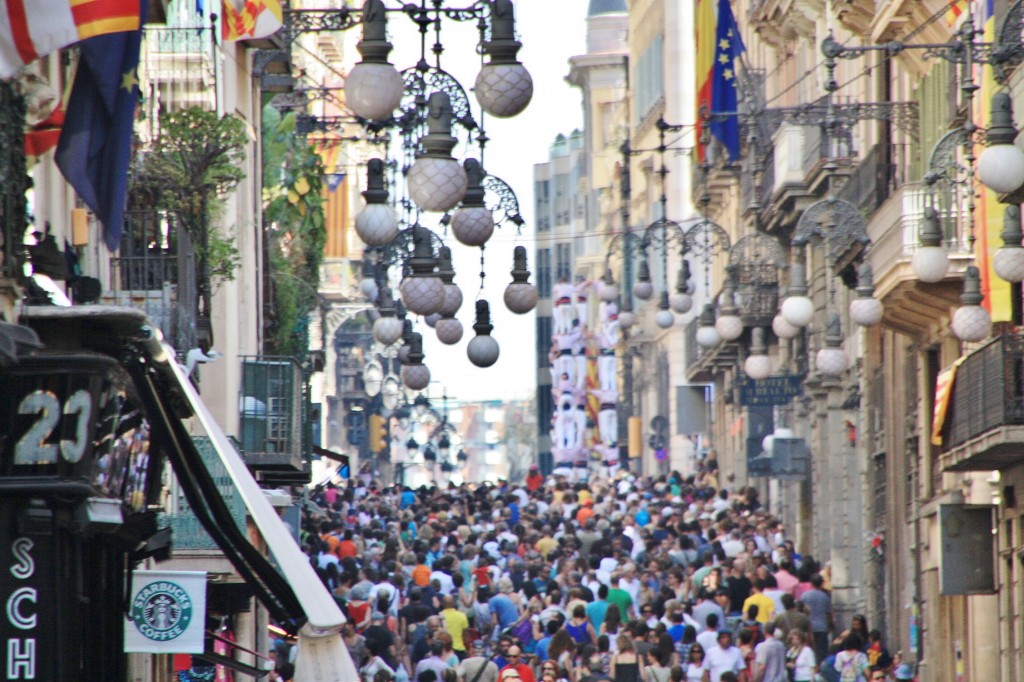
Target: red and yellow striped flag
(706,28)
(30,29)
(335,195)
(954,11)
(250,19)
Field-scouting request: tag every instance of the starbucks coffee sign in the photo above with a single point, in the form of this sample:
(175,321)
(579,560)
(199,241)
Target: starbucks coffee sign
(168,612)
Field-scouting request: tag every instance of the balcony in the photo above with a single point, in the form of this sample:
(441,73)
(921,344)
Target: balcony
(189,534)
(703,364)
(984,427)
(179,64)
(911,306)
(803,164)
(271,415)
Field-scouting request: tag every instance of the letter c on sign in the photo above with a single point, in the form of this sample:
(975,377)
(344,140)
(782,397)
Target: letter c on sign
(14,615)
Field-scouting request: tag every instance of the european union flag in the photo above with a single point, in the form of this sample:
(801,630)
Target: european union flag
(728,46)
(96,144)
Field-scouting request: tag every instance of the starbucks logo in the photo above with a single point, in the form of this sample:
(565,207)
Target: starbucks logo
(162,610)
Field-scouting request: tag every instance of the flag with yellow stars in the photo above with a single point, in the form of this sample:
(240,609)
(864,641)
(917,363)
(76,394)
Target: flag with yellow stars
(725,124)
(96,143)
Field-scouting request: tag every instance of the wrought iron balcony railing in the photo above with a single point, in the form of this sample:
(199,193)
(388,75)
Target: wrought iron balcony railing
(988,392)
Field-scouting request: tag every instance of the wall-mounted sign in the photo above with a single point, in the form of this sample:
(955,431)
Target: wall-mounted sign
(167,612)
(775,390)
(28,586)
(74,418)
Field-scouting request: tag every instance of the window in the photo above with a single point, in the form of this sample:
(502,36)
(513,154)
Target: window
(543,340)
(544,273)
(564,261)
(545,409)
(649,78)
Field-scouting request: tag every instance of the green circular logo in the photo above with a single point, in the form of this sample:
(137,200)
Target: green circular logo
(162,610)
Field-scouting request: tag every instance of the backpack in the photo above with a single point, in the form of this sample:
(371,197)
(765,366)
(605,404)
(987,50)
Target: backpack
(851,669)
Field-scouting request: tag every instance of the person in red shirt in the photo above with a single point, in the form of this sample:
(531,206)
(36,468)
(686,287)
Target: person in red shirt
(347,547)
(515,665)
(585,512)
(534,480)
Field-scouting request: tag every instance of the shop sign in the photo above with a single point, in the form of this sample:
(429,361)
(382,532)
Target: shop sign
(775,390)
(167,612)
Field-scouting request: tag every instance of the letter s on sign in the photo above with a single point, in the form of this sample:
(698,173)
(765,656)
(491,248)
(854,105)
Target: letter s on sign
(26,566)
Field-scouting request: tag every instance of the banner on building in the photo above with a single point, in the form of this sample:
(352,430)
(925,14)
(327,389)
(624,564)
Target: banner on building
(943,392)
(167,612)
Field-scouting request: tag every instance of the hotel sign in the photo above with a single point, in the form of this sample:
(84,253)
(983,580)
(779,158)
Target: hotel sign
(775,390)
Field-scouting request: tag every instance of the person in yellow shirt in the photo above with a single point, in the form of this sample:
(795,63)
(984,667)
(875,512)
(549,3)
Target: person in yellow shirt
(765,604)
(455,623)
(546,544)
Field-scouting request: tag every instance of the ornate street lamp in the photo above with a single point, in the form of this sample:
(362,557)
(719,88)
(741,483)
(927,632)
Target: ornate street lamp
(757,365)
(483,349)
(436,181)
(832,360)
(374,88)
(415,375)
(422,291)
(504,87)
(473,223)
(520,296)
(797,308)
(866,310)
(971,322)
(387,328)
(1008,261)
(376,224)
(1001,165)
(707,335)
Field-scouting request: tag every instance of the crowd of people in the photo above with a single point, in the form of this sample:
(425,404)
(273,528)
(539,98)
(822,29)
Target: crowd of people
(628,579)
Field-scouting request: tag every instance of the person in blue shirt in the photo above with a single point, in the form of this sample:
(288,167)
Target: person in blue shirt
(408,498)
(434,553)
(596,610)
(541,649)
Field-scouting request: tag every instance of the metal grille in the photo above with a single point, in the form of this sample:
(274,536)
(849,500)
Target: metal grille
(148,255)
(188,532)
(871,182)
(910,429)
(879,518)
(271,406)
(988,391)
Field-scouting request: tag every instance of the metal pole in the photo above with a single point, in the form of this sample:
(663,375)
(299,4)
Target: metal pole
(626,407)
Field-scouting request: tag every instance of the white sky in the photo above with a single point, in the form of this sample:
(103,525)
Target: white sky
(551,31)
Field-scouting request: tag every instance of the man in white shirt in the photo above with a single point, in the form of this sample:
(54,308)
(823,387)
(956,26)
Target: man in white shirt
(708,637)
(733,545)
(630,583)
(722,658)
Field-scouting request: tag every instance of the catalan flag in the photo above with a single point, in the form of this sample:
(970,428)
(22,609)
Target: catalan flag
(30,29)
(954,11)
(335,196)
(250,19)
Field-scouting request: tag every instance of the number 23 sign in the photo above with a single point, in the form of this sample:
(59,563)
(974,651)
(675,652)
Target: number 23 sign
(51,414)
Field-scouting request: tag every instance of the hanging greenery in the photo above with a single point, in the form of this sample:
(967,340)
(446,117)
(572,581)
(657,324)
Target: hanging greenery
(293,214)
(192,165)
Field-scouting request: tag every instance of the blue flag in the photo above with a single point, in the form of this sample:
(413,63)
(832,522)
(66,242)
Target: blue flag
(724,96)
(96,144)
